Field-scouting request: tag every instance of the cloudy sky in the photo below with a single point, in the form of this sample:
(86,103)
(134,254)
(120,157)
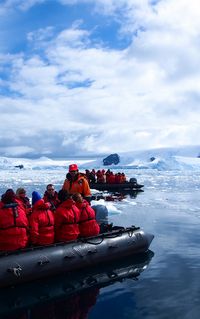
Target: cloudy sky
(82,77)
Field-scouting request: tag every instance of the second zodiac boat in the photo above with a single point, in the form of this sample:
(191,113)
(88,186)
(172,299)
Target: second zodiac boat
(46,261)
(127,186)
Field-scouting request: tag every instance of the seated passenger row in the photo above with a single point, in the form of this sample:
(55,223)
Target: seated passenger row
(22,225)
(102,176)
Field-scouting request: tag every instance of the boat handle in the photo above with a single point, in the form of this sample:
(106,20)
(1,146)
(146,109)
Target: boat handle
(90,252)
(112,246)
(69,256)
(91,281)
(15,270)
(112,275)
(44,261)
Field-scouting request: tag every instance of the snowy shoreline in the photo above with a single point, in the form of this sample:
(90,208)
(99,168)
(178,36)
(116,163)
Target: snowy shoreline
(160,159)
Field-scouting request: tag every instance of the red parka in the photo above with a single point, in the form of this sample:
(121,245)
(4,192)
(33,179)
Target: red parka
(41,224)
(13,227)
(25,203)
(88,225)
(67,217)
(111,178)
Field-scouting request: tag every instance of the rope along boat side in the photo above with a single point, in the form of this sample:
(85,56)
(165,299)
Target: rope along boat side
(40,262)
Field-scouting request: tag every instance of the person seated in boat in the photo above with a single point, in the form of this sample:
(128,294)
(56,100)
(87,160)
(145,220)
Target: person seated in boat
(123,178)
(101,178)
(88,225)
(107,173)
(111,178)
(76,182)
(23,200)
(41,221)
(90,176)
(118,178)
(51,196)
(67,217)
(87,174)
(13,223)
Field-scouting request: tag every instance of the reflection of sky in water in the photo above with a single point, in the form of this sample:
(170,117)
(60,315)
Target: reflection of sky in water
(169,208)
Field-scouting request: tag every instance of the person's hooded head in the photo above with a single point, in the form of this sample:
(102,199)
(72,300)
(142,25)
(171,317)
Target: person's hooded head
(63,195)
(35,197)
(8,197)
(20,192)
(77,197)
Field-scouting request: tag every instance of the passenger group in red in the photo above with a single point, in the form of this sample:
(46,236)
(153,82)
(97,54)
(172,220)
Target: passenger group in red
(57,217)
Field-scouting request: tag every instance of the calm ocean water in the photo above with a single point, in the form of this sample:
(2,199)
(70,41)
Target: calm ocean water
(168,285)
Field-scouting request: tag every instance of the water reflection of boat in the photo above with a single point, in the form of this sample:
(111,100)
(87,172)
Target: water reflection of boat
(39,262)
(115,196)
(48,291)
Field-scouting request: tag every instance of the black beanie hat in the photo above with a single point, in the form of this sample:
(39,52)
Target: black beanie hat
(63,195)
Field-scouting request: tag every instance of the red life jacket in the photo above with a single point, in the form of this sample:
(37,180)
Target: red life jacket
(13,227)
(111,179)
(25,203)
(67,217)
(79,185)
(88,225)
(41,224)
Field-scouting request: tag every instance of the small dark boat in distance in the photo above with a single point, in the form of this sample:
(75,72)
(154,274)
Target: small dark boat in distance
(46,261)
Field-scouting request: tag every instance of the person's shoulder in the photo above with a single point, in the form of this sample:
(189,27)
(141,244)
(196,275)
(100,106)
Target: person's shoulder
(85,181)
(68,177)
(82,176)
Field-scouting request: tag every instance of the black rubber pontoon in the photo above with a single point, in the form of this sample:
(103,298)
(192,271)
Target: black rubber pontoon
(35,263)
(117,187)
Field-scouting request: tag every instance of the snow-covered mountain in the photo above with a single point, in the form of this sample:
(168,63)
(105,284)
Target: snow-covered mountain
(161,159)
(40,163)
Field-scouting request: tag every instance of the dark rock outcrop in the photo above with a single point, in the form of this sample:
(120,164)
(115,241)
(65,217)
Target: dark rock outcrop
(19,166)
(111,159)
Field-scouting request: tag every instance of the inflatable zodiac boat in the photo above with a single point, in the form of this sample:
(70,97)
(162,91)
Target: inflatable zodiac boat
(126,186)
(46,261)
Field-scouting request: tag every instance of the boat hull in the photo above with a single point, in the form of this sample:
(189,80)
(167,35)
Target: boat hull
(117,187)
(35,263)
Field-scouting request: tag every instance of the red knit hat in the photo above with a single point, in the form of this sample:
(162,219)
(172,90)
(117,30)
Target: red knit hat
(73,167)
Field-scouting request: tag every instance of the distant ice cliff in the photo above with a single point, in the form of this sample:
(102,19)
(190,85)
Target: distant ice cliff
(182,158)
